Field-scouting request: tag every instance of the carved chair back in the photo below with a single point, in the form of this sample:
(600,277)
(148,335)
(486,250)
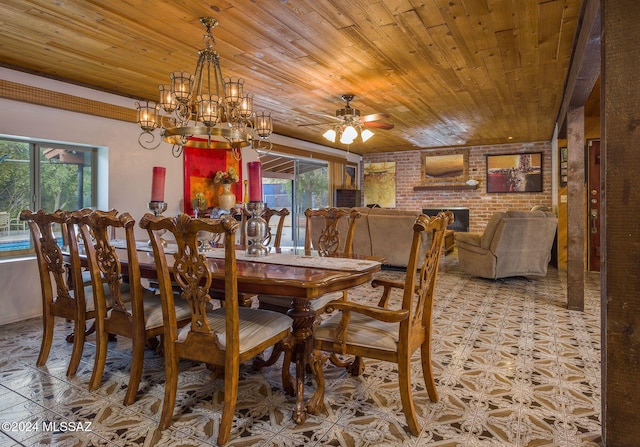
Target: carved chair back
(329,240)
(192,275)
(57,279)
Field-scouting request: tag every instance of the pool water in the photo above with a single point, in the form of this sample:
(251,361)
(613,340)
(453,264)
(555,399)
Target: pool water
(20,244)
(15,245)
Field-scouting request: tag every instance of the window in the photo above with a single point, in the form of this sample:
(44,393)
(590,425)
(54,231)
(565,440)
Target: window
(44,176)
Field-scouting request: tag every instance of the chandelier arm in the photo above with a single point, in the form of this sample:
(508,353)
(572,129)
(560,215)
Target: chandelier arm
(148,144)
(176,150)
(264,146)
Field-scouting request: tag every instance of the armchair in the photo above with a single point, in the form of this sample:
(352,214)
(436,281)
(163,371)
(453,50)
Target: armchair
(514,243)
(382,333)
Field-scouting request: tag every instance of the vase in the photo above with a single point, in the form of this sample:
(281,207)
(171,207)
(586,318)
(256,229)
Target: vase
(227,199)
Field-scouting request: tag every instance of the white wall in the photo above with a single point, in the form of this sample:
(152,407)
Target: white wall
(125,168)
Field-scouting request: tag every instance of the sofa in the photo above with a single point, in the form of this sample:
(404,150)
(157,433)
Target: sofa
(514,243)
(382,232)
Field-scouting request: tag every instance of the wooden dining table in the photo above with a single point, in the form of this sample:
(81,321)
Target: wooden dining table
(291,275)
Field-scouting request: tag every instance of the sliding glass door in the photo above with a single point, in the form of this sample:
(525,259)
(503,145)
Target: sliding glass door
(311,190)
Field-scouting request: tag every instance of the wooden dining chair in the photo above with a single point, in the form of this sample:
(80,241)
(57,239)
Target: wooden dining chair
(57,278)
(226,336)
(271,239)
(323,233)
(132,311)
(382,333)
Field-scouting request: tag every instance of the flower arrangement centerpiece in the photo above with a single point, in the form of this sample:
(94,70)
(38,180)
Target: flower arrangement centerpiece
(227,177)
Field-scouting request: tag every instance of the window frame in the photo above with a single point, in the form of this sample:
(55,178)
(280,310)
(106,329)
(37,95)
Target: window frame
(35,148)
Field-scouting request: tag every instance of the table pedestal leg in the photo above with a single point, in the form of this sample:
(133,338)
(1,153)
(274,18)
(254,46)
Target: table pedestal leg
(303,318)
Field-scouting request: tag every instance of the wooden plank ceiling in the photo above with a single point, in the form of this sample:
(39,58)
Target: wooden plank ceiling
(449,72)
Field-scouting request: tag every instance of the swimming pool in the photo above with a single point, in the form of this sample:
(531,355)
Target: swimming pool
(15,245)
(20,244)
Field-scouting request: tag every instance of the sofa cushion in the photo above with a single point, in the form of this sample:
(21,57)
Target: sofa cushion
(382,232)
(362,237)
(392,235)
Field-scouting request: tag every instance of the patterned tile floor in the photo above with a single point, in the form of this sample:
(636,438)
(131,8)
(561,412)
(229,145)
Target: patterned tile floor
(513,367)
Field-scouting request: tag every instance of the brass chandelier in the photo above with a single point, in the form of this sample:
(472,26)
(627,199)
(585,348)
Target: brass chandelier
(204,110)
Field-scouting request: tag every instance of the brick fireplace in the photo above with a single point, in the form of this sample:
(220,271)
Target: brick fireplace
(460,217)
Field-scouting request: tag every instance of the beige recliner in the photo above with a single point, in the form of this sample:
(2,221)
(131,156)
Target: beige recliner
(514,243)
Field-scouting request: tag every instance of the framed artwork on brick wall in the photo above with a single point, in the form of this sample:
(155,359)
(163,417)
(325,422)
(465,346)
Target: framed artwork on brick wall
(513,173)
(445,167)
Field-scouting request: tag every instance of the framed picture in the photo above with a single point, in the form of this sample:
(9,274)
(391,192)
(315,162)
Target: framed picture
(380,184)
(200,167)
(514,172)
(564,165)
(446,167)
(350,177)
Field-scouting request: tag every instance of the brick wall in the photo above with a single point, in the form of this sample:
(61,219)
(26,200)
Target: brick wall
(481,205)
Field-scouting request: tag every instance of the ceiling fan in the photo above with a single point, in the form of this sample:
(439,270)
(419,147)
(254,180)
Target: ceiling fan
(351,124)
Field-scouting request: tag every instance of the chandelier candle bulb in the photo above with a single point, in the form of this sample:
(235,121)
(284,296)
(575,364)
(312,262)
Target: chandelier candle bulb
(255,181)
(264,124)
(157,184)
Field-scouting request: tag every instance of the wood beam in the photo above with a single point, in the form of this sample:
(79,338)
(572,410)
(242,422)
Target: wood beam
(620,243)
(585,62)
(575,210)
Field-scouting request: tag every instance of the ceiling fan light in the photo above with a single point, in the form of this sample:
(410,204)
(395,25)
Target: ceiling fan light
(366,134)
(345,140)
(349,133)
(330,135)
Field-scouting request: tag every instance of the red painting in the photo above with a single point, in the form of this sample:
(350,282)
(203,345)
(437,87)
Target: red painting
(200,167)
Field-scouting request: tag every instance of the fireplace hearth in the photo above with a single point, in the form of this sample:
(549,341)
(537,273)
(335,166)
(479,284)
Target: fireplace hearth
(460,215)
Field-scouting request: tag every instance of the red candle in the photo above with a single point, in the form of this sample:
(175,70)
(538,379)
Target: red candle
(255,181)
(157,184)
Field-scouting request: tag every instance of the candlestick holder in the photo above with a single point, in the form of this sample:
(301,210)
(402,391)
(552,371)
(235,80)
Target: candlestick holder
(256,230)
(157,208)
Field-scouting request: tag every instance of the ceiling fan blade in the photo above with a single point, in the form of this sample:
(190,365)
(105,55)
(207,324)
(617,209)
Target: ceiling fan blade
(376,125)
(325,115)
(375,117)
(316,124)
